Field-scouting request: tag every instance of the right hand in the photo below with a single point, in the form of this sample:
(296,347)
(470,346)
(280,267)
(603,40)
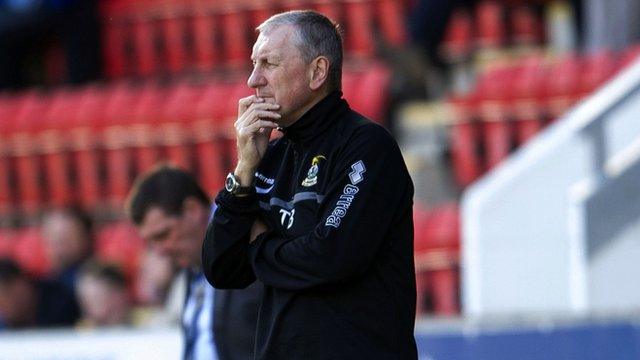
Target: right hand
(253,130)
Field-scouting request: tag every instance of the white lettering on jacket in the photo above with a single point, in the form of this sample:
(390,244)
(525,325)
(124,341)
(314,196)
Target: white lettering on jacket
(348,193)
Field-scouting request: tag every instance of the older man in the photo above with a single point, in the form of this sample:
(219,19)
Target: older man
(322,216)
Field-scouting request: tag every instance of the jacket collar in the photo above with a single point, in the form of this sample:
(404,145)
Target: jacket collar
(317,119)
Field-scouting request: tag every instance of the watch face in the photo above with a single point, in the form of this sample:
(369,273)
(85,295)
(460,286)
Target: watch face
(229,183)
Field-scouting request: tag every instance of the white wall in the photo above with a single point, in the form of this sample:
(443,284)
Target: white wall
(525,225)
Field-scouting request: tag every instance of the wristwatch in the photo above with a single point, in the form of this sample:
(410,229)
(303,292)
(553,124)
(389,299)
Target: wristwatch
(232,185)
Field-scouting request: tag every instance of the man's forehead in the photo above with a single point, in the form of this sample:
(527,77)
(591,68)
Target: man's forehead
(273,42)
(155,220)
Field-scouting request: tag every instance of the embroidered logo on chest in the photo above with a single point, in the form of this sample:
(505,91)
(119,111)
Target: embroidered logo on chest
(312,174)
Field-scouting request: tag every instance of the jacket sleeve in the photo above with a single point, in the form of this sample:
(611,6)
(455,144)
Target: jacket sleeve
(225,258)
(369,187)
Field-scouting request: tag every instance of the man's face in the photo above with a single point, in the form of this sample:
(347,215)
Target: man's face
(176,237)
(102,303)
(280,75)
(67,242)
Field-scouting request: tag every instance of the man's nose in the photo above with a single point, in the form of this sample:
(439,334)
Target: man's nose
(163,248)
(256,79)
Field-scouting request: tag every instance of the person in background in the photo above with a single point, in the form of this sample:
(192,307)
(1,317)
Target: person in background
(153,278)
(322,216)
(171,212)
(30,303)
(68,236)
(158,291)
(103,297)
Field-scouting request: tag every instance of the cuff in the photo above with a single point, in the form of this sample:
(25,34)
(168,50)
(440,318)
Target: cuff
(238,204)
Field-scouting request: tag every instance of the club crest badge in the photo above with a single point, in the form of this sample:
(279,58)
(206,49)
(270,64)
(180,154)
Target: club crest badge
(312,174)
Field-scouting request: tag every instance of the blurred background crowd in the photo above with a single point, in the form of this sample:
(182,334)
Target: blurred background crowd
(94,93)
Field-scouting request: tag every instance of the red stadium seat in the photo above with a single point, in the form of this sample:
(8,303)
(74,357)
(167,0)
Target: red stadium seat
(53,140)
(174,35)
(457,42)
(437,246)
(7,243)
(174,133)
(526,98)
(114,37)
(493,92)
(597,68)
(30,252)
(119,243)
(235,36)
(525,26)
(116,136)
(147,115)
(391,17)
(84,146)
(359,28)
(489,18)
(207,134)
(373,92)
(24,149)
(497,139)
(562,88)
(465,144)
(205,30)
(8,110)
(629,56)
(144,40)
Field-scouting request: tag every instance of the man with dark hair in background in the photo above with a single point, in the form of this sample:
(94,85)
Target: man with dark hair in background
(323,215)
(171,212)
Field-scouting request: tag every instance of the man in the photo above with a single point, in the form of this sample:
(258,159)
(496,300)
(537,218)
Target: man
(68,235)
(103,296)
(171,212)
(322,216)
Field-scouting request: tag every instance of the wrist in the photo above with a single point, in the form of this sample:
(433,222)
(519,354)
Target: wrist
(245,175)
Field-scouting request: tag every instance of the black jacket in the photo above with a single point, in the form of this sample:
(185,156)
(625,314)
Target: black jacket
(337,262)
(234,322)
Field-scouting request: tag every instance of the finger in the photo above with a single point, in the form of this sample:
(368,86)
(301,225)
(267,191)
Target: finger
(253,115)
(245,105)
(245,102)
(256,126)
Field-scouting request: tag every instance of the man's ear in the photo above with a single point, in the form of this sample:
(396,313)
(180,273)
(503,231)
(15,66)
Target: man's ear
(318,72)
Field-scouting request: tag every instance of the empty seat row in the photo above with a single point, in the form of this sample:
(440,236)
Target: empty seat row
(491,24)
(147,38)
(510,103)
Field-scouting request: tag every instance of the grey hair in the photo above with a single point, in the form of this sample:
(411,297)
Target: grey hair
(317,36)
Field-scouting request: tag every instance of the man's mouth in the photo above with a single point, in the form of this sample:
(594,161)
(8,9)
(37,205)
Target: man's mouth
(268,99)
